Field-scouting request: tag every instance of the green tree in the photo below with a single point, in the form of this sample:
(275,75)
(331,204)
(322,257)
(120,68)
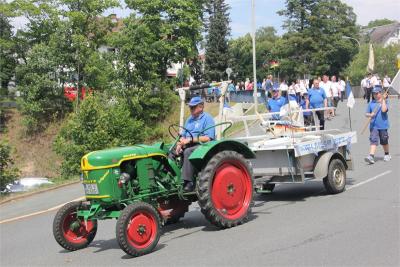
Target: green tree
(385,62)
(166,32)
(7,50)
(8,173)
(240,53)
(41,94)
(379,22)
(101,122)
(314,44)
(217,54)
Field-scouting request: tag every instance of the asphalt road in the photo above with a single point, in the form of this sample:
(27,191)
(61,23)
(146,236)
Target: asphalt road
(297,225)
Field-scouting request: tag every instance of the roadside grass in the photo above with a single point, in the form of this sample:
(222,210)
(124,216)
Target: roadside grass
(33,155)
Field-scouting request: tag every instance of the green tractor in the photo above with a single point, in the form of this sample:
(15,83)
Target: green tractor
(141,187)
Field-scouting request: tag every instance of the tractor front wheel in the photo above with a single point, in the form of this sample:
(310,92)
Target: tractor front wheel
(71,232)
(225,189)
(138,229)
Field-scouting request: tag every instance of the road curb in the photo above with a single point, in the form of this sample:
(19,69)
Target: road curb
(28,194)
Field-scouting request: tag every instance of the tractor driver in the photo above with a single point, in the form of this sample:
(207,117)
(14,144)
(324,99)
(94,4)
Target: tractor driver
(195,124)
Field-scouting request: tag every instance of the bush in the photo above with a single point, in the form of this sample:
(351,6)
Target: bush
(100,123)
(8,173)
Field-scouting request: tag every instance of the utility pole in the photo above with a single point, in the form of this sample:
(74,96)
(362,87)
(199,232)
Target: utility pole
(253,17)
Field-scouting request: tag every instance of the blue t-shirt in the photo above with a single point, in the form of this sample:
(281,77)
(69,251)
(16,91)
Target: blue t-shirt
(303,106)
(275,104)
(197,125)
(292,98)
(381,119)
(317,97)
(268,85)
(231,88)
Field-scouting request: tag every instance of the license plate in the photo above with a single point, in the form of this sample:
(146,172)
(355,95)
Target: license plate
(91,189)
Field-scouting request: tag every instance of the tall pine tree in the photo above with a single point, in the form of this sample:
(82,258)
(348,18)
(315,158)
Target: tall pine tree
(217,55)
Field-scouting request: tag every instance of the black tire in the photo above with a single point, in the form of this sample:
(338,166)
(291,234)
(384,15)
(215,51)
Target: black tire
(82,234)
(335,181)
(133,227)
(266,187)
(230,171)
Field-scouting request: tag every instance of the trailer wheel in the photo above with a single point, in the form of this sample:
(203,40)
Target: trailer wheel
(225,189)
(71,232)
(138,229)
(335,181)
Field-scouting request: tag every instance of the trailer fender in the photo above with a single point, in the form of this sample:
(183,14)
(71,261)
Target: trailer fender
(321,163)
(204,152)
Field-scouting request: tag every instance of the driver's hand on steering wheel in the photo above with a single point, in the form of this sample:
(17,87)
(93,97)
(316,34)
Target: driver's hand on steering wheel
(182,142)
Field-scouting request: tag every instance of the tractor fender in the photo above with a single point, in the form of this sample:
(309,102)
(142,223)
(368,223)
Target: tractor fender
(321,163)
(204,152)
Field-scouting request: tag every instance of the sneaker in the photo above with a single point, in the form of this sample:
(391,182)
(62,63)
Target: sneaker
(369,159)
(387,158)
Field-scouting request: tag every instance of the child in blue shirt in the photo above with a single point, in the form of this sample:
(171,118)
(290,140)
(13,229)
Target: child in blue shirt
(377,111)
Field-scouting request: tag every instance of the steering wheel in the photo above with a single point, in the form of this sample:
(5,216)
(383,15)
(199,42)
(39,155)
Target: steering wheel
(173,130)
(229,123)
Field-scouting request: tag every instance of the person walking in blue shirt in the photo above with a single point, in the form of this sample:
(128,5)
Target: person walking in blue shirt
(195,124)
(275,103)
(318,99)
(377,110)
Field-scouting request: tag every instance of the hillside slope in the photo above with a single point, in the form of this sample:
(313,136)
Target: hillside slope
(33,155)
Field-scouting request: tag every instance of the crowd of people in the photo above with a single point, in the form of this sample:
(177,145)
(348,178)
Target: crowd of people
(371,80)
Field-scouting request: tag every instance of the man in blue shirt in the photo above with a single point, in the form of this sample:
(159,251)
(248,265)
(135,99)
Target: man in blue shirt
(318,99)
(275,103)
(377,111)
(195,124)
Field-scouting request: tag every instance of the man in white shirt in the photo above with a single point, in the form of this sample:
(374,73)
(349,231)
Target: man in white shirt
(364,86)
(283,88)
(335,87)
(342,85)
(371,80)
(386,81)
(327,86)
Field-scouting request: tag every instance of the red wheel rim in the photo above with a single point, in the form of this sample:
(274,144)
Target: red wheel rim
(74,230)
(231,189)
(141,230)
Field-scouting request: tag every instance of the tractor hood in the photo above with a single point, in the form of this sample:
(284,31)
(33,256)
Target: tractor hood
(113,157)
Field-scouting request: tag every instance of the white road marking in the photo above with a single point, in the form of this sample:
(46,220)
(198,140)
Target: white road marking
(368,180)
(81,198)
(362,183)
(39,212)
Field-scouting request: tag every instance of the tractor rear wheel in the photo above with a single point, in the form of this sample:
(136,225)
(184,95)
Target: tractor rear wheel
(71,232)
(335,181)
(225,189)
(138,229)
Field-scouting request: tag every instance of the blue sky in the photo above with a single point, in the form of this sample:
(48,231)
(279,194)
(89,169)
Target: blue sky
(240,13)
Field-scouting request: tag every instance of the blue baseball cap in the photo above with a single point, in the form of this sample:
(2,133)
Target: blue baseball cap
(377,88)
(195,101)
